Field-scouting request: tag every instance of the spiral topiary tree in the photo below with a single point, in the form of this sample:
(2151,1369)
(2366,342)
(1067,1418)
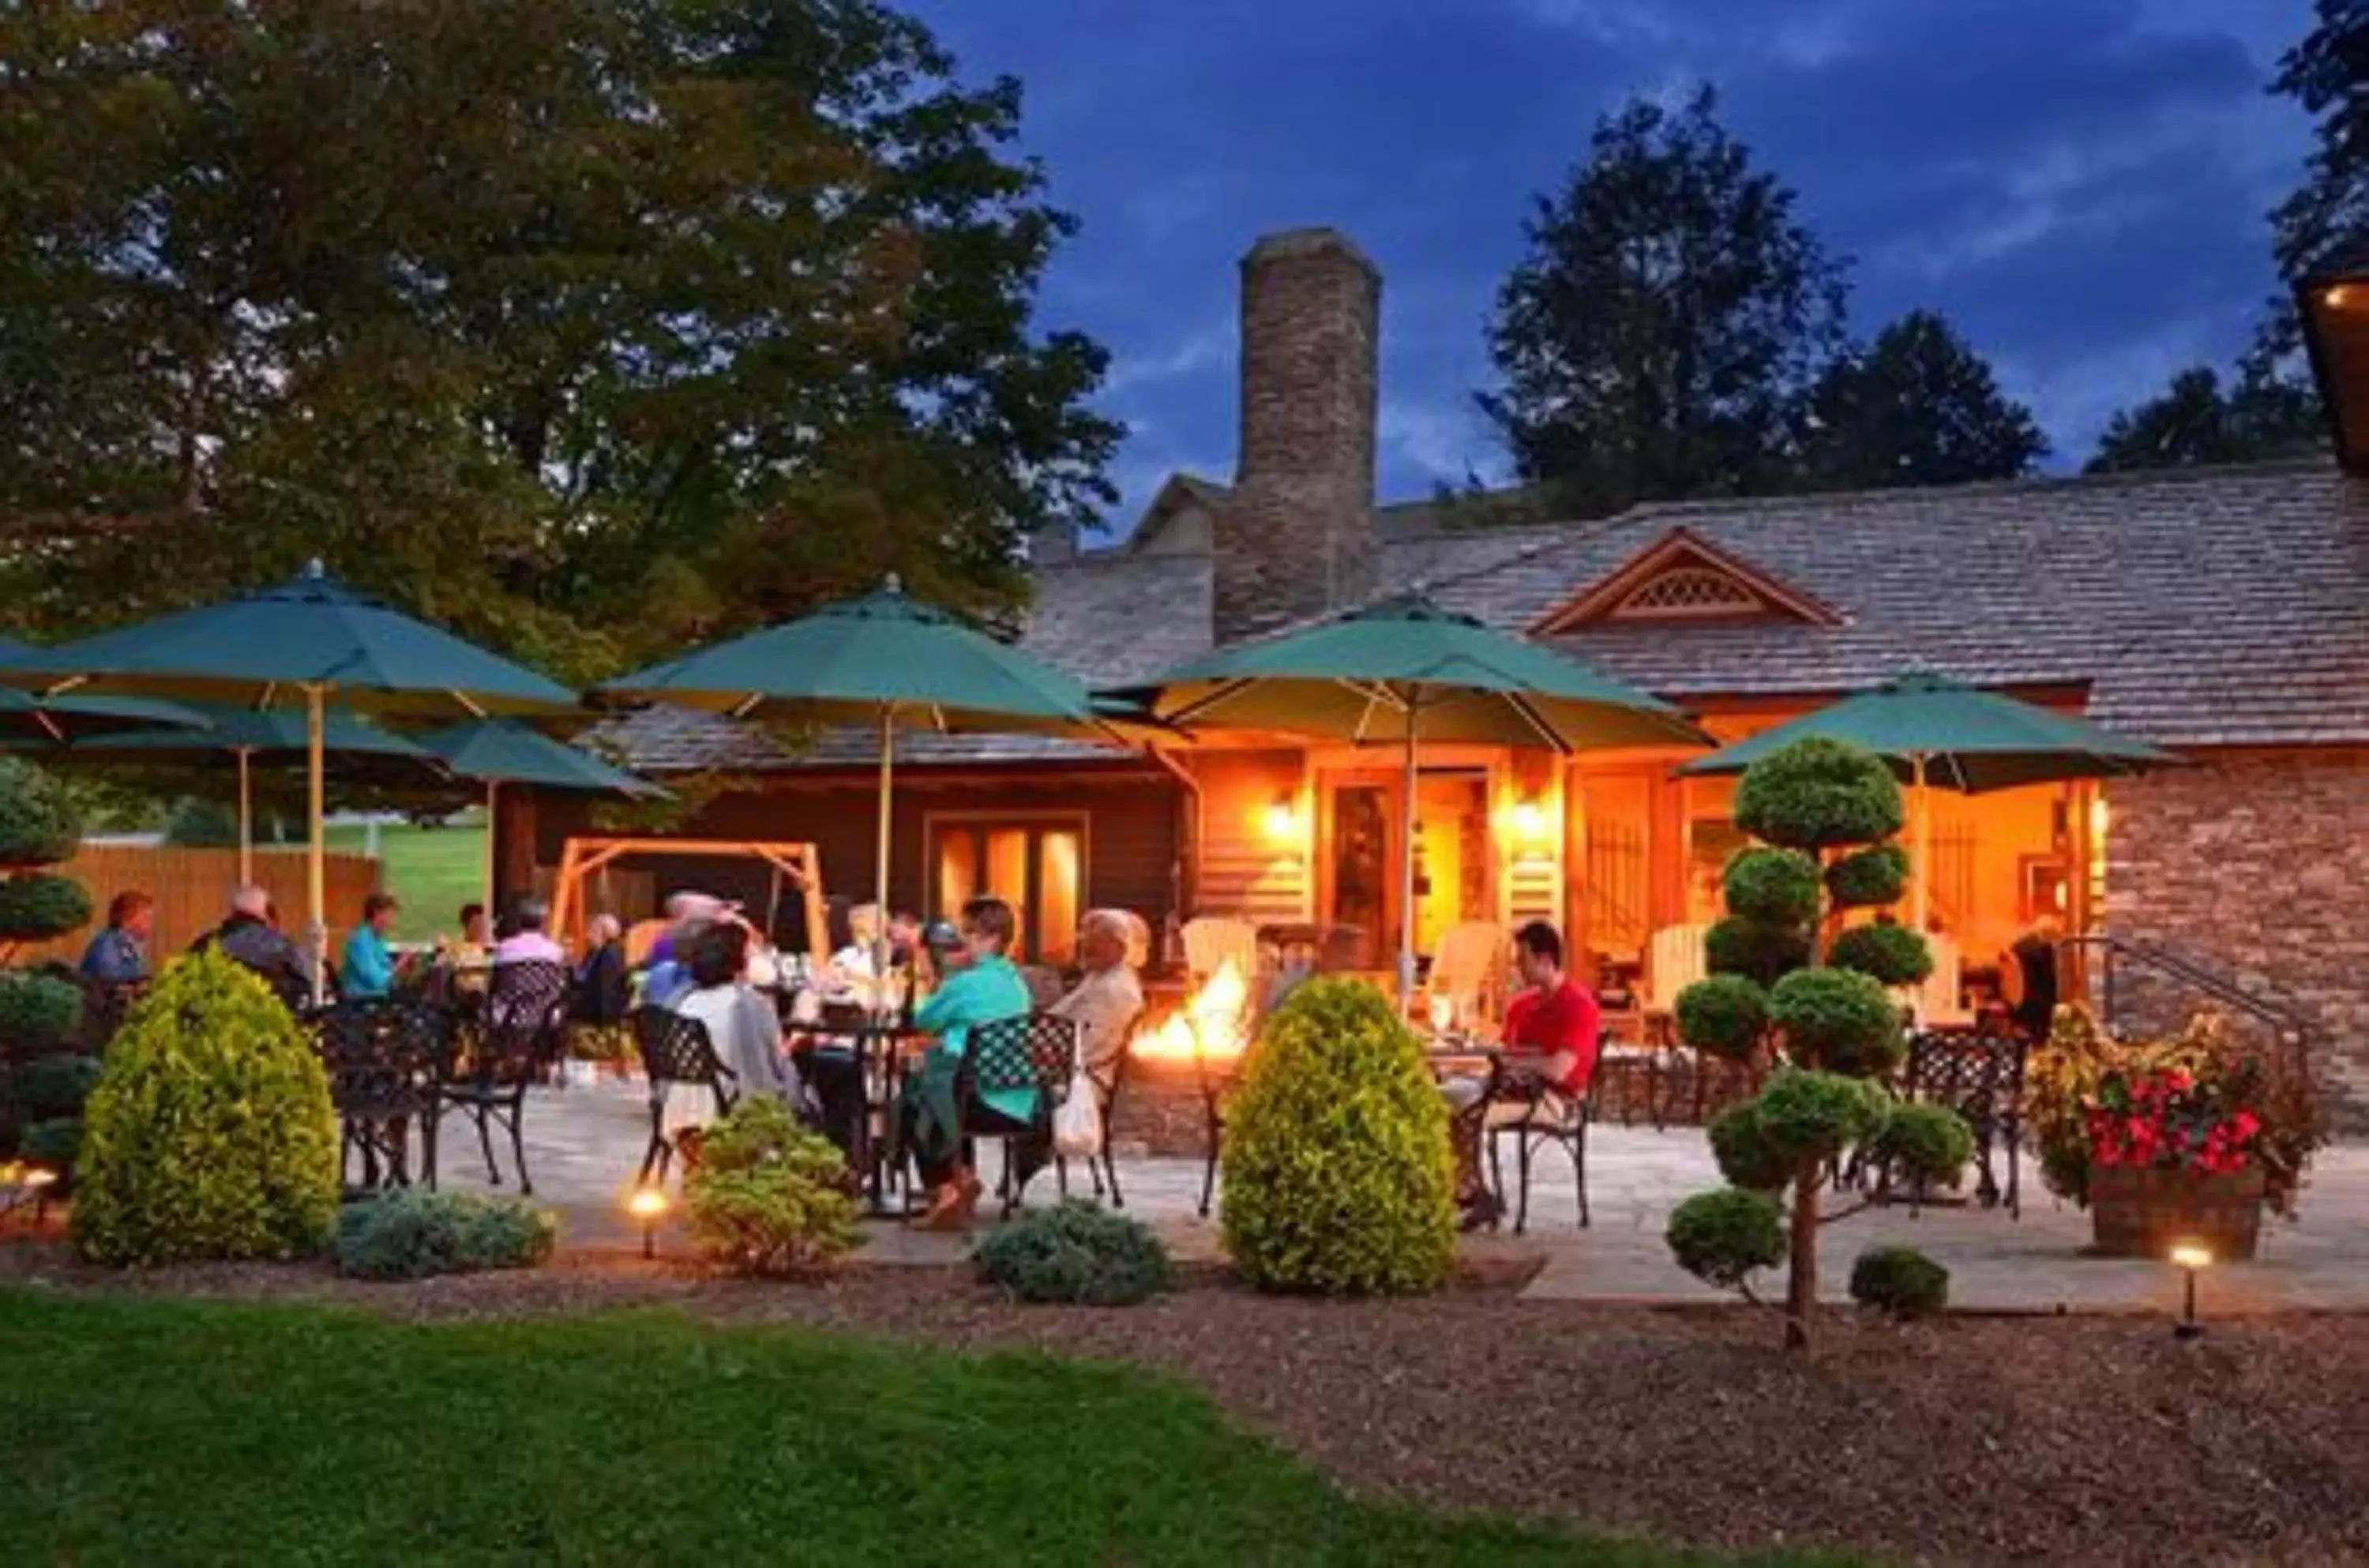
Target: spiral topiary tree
(1825,814)
(46,1078)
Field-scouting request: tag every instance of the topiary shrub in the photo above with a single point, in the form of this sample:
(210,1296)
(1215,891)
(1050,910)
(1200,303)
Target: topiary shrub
(1930,1145)
(54,1085)
(1836,807)
(1725,1237)
(1725,1016)
(1900,1281)
(40,1014)
(38,824)
(1075,1252)
(767,1197)
(412,1234)
(54,1142)
(36,906)
(1339,1177)
(1777,887)
(211,1133)
(1868,878)
(1890,954)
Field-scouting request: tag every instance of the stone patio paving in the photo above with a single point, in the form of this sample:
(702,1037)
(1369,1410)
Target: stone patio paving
(583,1146)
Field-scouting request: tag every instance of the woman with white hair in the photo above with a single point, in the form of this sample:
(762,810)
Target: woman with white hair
(1108,999)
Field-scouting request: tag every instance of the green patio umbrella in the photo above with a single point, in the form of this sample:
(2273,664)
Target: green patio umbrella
(499,751)
(245,735)
(882,660)
(1935,731)
(63,721)
(308,640)
(1403,671)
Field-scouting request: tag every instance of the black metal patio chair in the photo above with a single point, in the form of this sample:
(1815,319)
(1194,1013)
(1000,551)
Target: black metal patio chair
(676,1050)
(1036,1051)
(1535,1114)
(382,1058)
(518,1031)
(1980,1075)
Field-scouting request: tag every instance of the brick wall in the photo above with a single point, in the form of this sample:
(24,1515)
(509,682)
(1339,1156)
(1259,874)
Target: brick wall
(2259,863)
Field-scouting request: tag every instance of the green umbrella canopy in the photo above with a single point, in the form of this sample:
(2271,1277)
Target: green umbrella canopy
(497,752)
(27,721)
(264,648)
(279,732)
(859,660)
(1969,740)
(1368,674)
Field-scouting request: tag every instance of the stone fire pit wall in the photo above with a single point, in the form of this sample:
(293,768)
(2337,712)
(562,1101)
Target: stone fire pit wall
(1159,1111)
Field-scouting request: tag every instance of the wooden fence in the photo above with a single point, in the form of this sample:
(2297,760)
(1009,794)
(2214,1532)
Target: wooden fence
(192,891)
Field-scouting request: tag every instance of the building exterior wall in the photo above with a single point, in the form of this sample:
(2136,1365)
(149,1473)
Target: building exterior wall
(2258,863)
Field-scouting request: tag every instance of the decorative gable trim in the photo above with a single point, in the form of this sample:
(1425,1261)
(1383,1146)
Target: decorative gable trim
(1683,577)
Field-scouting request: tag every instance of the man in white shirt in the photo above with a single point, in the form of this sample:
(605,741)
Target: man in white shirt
(1107,1001)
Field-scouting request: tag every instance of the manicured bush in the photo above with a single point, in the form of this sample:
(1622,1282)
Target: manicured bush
(1724,1015)
(39,1012)
(211,1133)
(38,824)
(1075,1252)
(36,906)
(1868,878)
(1725,1237)
(411,1234)
(1746,1157)
(1758,951)
(55,1142)
(1901,1281)
(1837,1020)
(1338,1174)
(1804,1115)
(1890,955)
(1778,886)
(1926,1144)
(766,1196)
(54,1085)
(1819,794)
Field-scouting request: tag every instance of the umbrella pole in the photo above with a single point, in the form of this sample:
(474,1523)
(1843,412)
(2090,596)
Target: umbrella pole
(493,790)
(317,863)
(1921,904)
(246,820)
(880,858)
(1406,871)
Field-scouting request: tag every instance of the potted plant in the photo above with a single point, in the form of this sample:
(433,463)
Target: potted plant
(2185,1138)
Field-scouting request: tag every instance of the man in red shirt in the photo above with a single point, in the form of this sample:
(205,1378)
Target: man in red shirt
(1553,1031)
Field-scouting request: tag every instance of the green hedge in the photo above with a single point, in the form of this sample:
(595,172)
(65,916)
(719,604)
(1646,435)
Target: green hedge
(38,823)
(36,906)
(1777,887)
(1868,878)
(211,1133)
(39,1012)
(1754,949)
(1075,1252)
(1725,1237)
(766,1196)
(1724,1015)
(1901,1281)
(54,1085)
(412,1234)
(1890,954)
(1339,1178)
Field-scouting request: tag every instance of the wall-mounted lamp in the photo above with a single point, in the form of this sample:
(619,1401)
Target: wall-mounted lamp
(1281,819)
(1529,821)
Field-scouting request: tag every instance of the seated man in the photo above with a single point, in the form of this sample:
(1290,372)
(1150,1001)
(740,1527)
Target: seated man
(1553,1034)
(982,987)
(1107,1001)
(529,941)
(247,935)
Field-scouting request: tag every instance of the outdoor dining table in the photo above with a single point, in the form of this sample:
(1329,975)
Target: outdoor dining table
(882,1049)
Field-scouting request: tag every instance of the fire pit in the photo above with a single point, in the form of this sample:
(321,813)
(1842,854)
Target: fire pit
(1179,1069)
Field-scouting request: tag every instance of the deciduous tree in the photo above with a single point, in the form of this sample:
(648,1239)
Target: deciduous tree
(1916,407)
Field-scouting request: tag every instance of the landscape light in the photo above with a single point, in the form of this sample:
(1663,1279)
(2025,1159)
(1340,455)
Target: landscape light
(2191,1258)
(647,1205)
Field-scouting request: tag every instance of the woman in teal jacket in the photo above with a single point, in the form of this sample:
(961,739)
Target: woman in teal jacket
(985,990)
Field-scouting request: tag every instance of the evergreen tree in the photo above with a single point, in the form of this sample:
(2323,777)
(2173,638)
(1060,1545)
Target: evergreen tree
(1916,407)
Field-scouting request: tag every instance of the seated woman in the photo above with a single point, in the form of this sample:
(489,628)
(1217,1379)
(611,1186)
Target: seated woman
(741,1023)
(529,939)
(982,987)
(370,970)
(1107,1002)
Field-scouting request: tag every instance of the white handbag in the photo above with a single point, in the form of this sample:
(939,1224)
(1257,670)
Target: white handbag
(1078,1122)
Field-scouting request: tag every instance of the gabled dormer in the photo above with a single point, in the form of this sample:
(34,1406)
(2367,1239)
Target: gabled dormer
(1684,578)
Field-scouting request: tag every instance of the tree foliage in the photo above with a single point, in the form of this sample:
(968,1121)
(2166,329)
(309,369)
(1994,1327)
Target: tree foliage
(2326,219)
(1918,405)
(1672,312)
(2196,422)
(588,326)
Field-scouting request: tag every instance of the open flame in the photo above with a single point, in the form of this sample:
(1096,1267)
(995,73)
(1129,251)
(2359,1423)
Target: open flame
(1211,1023)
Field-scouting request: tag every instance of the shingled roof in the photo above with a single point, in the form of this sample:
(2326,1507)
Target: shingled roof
(2201,607)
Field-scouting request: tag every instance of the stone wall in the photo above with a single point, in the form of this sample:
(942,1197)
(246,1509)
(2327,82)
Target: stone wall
(1296,539)
(2257,862)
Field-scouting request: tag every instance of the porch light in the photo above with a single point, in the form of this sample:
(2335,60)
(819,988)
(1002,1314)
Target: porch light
(1529,821)
(2191,1258)
(1282,816)
(2333,303)
(647,1205)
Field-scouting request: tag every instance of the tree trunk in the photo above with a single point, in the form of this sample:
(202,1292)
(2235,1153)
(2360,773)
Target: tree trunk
(1801,1270)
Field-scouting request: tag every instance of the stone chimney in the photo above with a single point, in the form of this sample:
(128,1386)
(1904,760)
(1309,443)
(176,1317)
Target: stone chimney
(1296,538)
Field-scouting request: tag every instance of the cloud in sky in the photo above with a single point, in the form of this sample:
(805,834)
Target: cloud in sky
(2079,184)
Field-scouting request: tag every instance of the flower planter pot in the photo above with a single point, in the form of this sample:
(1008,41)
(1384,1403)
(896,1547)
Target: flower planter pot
(2142,1212)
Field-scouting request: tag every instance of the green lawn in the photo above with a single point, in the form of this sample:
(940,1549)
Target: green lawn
(433,871)
(155,1431)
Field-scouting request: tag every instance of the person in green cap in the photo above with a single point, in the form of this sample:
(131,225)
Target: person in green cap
(984,988)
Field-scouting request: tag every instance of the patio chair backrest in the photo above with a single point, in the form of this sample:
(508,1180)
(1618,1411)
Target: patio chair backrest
(1469,964)
(675,1048)
(1937,999)
(1211,940)
(1035,1051)
(1674,960)
(382,1056)
(527,996)
(1979,1074)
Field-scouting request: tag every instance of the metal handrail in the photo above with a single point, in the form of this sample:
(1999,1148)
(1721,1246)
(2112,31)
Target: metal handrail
(2192,972)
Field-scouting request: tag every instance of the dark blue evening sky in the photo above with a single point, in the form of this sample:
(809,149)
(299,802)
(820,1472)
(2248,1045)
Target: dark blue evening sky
(2080,185)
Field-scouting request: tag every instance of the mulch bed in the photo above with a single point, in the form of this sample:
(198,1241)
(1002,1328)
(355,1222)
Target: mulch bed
(1972,1440)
